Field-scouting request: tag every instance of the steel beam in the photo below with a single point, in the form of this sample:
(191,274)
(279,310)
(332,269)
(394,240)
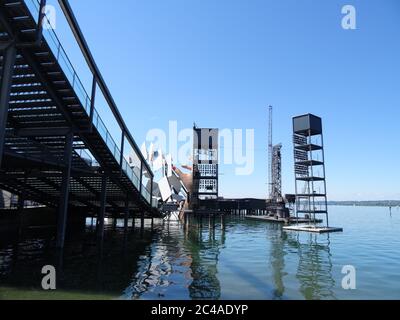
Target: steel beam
(9,56)
(42,132)
(71,195)
(103,200)
(4,21)
(64,192)
(15,187)
(92,190)
(48,87)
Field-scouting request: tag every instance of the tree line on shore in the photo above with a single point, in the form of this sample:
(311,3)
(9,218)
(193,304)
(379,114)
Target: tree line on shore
(370,203)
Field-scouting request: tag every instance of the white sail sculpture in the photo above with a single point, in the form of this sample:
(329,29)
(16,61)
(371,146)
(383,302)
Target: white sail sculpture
(168,188)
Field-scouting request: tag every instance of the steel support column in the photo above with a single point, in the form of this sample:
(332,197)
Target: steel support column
(64,192)
(21,202)
(126,215)
(9,56)
(142,224)
(100,230)
(115,222)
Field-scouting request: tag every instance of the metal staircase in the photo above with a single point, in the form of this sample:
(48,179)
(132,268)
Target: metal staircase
(53,134)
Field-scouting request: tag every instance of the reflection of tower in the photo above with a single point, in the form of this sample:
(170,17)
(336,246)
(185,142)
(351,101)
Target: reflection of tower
(205,166)
(309,165)
(204,245)
(314,271)
(277,259)
(156,271)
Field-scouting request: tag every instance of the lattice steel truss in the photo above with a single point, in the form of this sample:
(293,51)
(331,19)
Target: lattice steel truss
(276,172)
(309,167)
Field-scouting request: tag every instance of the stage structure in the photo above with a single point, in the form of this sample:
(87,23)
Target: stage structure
(309,162)
(205,168)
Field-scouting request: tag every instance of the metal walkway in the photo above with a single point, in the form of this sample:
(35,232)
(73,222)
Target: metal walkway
(54,147)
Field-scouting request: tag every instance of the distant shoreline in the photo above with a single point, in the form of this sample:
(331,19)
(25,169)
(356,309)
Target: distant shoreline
(383,203)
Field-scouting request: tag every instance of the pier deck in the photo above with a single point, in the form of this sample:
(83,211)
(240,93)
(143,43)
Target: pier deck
(314,229)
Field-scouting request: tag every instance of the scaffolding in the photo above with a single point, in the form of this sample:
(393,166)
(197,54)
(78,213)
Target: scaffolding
(274,165)
(270,151)
(205,168)
(309,167)
(276,172)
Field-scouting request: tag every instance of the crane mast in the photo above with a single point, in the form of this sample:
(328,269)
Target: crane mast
(270,151)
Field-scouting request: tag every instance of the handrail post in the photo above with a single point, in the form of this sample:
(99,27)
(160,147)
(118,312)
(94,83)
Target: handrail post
(92,101)
(39,31)
(141,178)
(151,191)
(121,159)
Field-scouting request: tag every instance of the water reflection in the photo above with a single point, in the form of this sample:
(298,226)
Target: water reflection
(85,265)
(277,258)
(177,261)
(314,271)
(180,267)
(204,243)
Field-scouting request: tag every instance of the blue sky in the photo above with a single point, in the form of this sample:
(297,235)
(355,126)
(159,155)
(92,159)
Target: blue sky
(221,63)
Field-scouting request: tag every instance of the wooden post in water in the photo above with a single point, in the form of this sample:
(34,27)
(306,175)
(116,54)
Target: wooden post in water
(133,223)
(114,222)
(101,214)
(142,224)
(21,202)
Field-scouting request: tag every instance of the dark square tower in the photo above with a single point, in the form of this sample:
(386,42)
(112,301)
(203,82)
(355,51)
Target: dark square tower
(205,167)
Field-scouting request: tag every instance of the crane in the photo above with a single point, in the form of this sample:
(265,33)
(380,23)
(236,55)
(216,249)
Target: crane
(270,151)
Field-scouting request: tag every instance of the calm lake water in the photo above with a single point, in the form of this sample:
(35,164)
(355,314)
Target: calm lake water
(243,260)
